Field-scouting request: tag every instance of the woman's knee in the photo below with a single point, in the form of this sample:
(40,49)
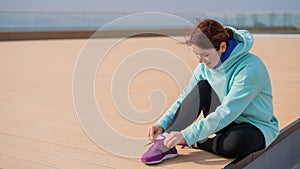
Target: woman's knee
(229,147)
(240,142)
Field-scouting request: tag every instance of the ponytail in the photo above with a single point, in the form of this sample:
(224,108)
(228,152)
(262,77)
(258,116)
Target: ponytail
(229,33)
(210,34)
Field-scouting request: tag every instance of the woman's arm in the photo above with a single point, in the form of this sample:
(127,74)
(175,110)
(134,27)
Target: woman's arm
(166,119)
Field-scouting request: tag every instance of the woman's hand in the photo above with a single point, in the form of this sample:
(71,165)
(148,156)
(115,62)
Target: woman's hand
(174,138)
(154,131)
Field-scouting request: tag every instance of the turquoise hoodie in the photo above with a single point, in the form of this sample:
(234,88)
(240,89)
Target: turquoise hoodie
(243,86)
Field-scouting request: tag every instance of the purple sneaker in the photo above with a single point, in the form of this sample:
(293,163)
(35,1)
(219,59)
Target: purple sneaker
(158,152)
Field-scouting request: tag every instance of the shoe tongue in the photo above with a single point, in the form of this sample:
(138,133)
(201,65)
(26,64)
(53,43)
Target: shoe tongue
(162,136)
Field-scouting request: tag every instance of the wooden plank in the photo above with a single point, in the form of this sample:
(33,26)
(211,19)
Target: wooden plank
(186,155)
(50,139)
(73,153)
(8,162)
(185,159)
(51,160)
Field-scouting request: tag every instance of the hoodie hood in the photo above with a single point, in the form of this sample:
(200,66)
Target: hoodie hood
(245,41)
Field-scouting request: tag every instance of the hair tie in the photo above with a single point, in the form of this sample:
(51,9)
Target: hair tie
(227,34)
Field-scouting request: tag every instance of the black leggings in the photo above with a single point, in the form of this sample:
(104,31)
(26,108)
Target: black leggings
(235,140)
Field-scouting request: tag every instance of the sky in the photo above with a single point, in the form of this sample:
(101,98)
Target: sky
(131,6)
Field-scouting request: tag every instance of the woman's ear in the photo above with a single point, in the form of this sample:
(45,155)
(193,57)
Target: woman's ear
(223,47)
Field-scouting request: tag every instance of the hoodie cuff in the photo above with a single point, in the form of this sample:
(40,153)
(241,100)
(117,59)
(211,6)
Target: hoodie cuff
(189,136)
(163,125)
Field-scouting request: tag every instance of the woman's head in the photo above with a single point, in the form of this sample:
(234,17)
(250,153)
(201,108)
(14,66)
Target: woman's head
(209,40)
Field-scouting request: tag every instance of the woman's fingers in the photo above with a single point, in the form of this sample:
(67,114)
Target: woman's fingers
(173,139)
(170,142)
(151,133)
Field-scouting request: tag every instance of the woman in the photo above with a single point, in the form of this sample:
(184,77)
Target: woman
(231,87)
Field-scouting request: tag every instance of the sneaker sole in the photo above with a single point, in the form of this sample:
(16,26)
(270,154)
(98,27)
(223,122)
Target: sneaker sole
(169,156)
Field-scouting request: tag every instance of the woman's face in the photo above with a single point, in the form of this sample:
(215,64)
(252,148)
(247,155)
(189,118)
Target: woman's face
(210,57)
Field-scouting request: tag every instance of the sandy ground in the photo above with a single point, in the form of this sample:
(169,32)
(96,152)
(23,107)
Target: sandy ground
(39,127)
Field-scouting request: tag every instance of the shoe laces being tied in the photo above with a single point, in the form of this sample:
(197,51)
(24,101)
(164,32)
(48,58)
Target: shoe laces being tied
(156,143)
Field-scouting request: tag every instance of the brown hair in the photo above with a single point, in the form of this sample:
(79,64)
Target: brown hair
(209,34)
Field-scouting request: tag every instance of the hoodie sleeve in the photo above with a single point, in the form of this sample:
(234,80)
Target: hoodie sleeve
(246,86)
(166,119)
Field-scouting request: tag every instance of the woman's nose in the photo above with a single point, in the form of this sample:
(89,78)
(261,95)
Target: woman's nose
(198,58)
